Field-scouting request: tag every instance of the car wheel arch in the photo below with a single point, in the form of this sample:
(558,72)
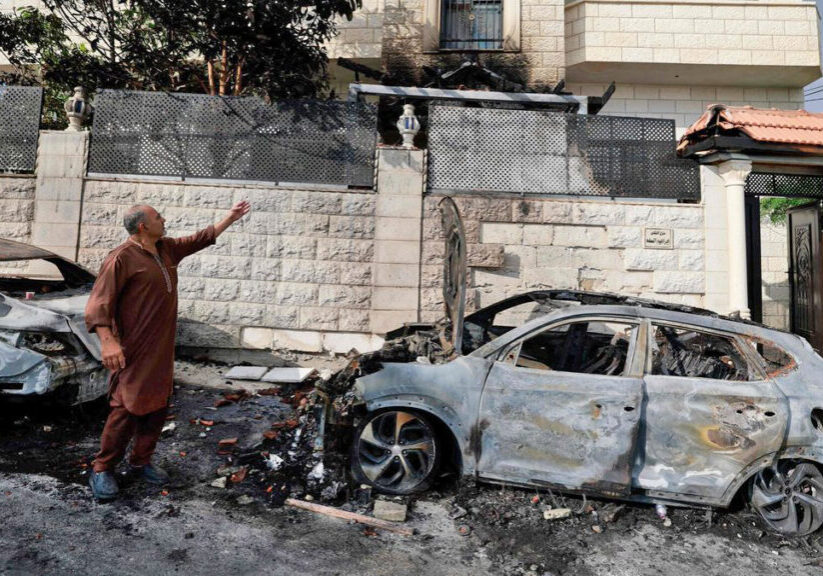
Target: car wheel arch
(446,427)
(741,482)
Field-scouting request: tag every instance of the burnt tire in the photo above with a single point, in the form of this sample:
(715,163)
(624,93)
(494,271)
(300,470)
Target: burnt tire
(396,452)
(788,496)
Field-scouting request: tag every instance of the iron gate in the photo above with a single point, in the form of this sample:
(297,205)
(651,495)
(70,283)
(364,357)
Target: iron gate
(543,152)
(236,138)
(19,127)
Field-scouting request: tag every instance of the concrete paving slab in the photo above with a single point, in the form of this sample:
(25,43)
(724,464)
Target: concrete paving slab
(288,375)
(246,372)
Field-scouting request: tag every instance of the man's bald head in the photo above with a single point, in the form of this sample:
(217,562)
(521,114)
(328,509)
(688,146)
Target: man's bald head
(136,215)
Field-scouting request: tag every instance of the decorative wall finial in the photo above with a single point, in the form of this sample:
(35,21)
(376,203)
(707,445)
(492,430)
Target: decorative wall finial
(77,109)
(408,125)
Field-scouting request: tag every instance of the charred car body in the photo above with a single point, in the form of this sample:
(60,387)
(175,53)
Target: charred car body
(597,394)
(44,345)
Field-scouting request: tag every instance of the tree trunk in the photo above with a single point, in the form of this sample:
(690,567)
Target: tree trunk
(212,90)
(238,77)
(224,70)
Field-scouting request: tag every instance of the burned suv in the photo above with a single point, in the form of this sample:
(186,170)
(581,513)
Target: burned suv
(599,394)
(44,346)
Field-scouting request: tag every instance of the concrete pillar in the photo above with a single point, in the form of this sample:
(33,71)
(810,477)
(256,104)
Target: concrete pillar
(397,238)
(734,173)
(61,166)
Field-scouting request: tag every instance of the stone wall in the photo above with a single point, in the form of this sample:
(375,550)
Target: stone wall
(692,33)
(774,262)
(16,211)
(515,245)
(300,261)
(362,36)
(685,104)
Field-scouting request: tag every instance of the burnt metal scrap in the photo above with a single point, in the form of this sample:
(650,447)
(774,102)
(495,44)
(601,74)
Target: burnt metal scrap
(44,345)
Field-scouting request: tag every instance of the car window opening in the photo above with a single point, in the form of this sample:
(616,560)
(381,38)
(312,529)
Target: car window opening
(581,347)
(777,360)
(688,353)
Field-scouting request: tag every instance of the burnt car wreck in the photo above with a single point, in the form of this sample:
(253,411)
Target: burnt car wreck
(596,394)
(44,346)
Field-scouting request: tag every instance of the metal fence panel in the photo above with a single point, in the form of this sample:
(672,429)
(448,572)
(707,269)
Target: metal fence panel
(236,138)
(542,152)
(20,108)
(785,185)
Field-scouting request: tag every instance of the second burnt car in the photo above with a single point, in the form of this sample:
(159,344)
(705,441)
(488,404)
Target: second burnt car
(45,349)
(599,394)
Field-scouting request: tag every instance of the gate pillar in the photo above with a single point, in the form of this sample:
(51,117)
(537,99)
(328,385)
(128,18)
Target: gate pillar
(734,173)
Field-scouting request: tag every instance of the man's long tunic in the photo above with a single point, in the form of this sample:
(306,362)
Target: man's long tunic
(136,296)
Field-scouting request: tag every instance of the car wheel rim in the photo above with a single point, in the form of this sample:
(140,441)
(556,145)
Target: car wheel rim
(789,497)
(397,450)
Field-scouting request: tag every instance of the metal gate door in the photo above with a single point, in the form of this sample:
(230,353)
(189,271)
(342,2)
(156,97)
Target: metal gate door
(804,273)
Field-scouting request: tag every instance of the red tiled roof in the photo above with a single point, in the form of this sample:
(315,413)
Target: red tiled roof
(797,127)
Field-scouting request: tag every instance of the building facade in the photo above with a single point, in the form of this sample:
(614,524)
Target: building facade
(668,59)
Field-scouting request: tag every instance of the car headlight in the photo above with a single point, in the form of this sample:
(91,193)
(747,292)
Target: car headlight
(45,343)
(10,337)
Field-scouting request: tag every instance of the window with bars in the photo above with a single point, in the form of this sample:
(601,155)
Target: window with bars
(471,25)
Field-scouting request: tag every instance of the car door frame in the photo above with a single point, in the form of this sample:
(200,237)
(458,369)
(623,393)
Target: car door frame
(731,413)
(600,417)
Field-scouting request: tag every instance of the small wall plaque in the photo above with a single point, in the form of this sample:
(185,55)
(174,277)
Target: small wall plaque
(658,238)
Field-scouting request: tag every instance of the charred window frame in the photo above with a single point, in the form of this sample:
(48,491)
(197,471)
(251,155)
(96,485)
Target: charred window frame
(754,367)
(774,360)
(510,353)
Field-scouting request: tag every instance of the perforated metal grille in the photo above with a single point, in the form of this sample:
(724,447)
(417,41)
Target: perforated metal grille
(542,152)
(19,126)
(237,138)
(786,185)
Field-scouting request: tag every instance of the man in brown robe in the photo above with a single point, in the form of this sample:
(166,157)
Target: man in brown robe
(133,309)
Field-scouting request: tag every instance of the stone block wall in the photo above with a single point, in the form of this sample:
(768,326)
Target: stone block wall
(685,104)
(559,243)
(302,260)
(362,36)
(692,33)
(16,211)
(774,252)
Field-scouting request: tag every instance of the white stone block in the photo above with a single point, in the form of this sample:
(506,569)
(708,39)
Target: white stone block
(501,233)
(397,228)
(580,236)
(397,251)
(692,260)
(679,217)
(557,212)
(625,236)
(589,213)
(344,342)
(667,282)
(537,234)
(403,275)
(393,298)
(257,338)
(300,340)
(637,215)
(384,321)
(640,259)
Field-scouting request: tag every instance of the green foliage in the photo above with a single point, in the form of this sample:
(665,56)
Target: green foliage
(775,208)
(271,48)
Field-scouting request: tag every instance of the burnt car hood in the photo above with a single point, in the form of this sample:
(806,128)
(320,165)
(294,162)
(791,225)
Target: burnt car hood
(62,312)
